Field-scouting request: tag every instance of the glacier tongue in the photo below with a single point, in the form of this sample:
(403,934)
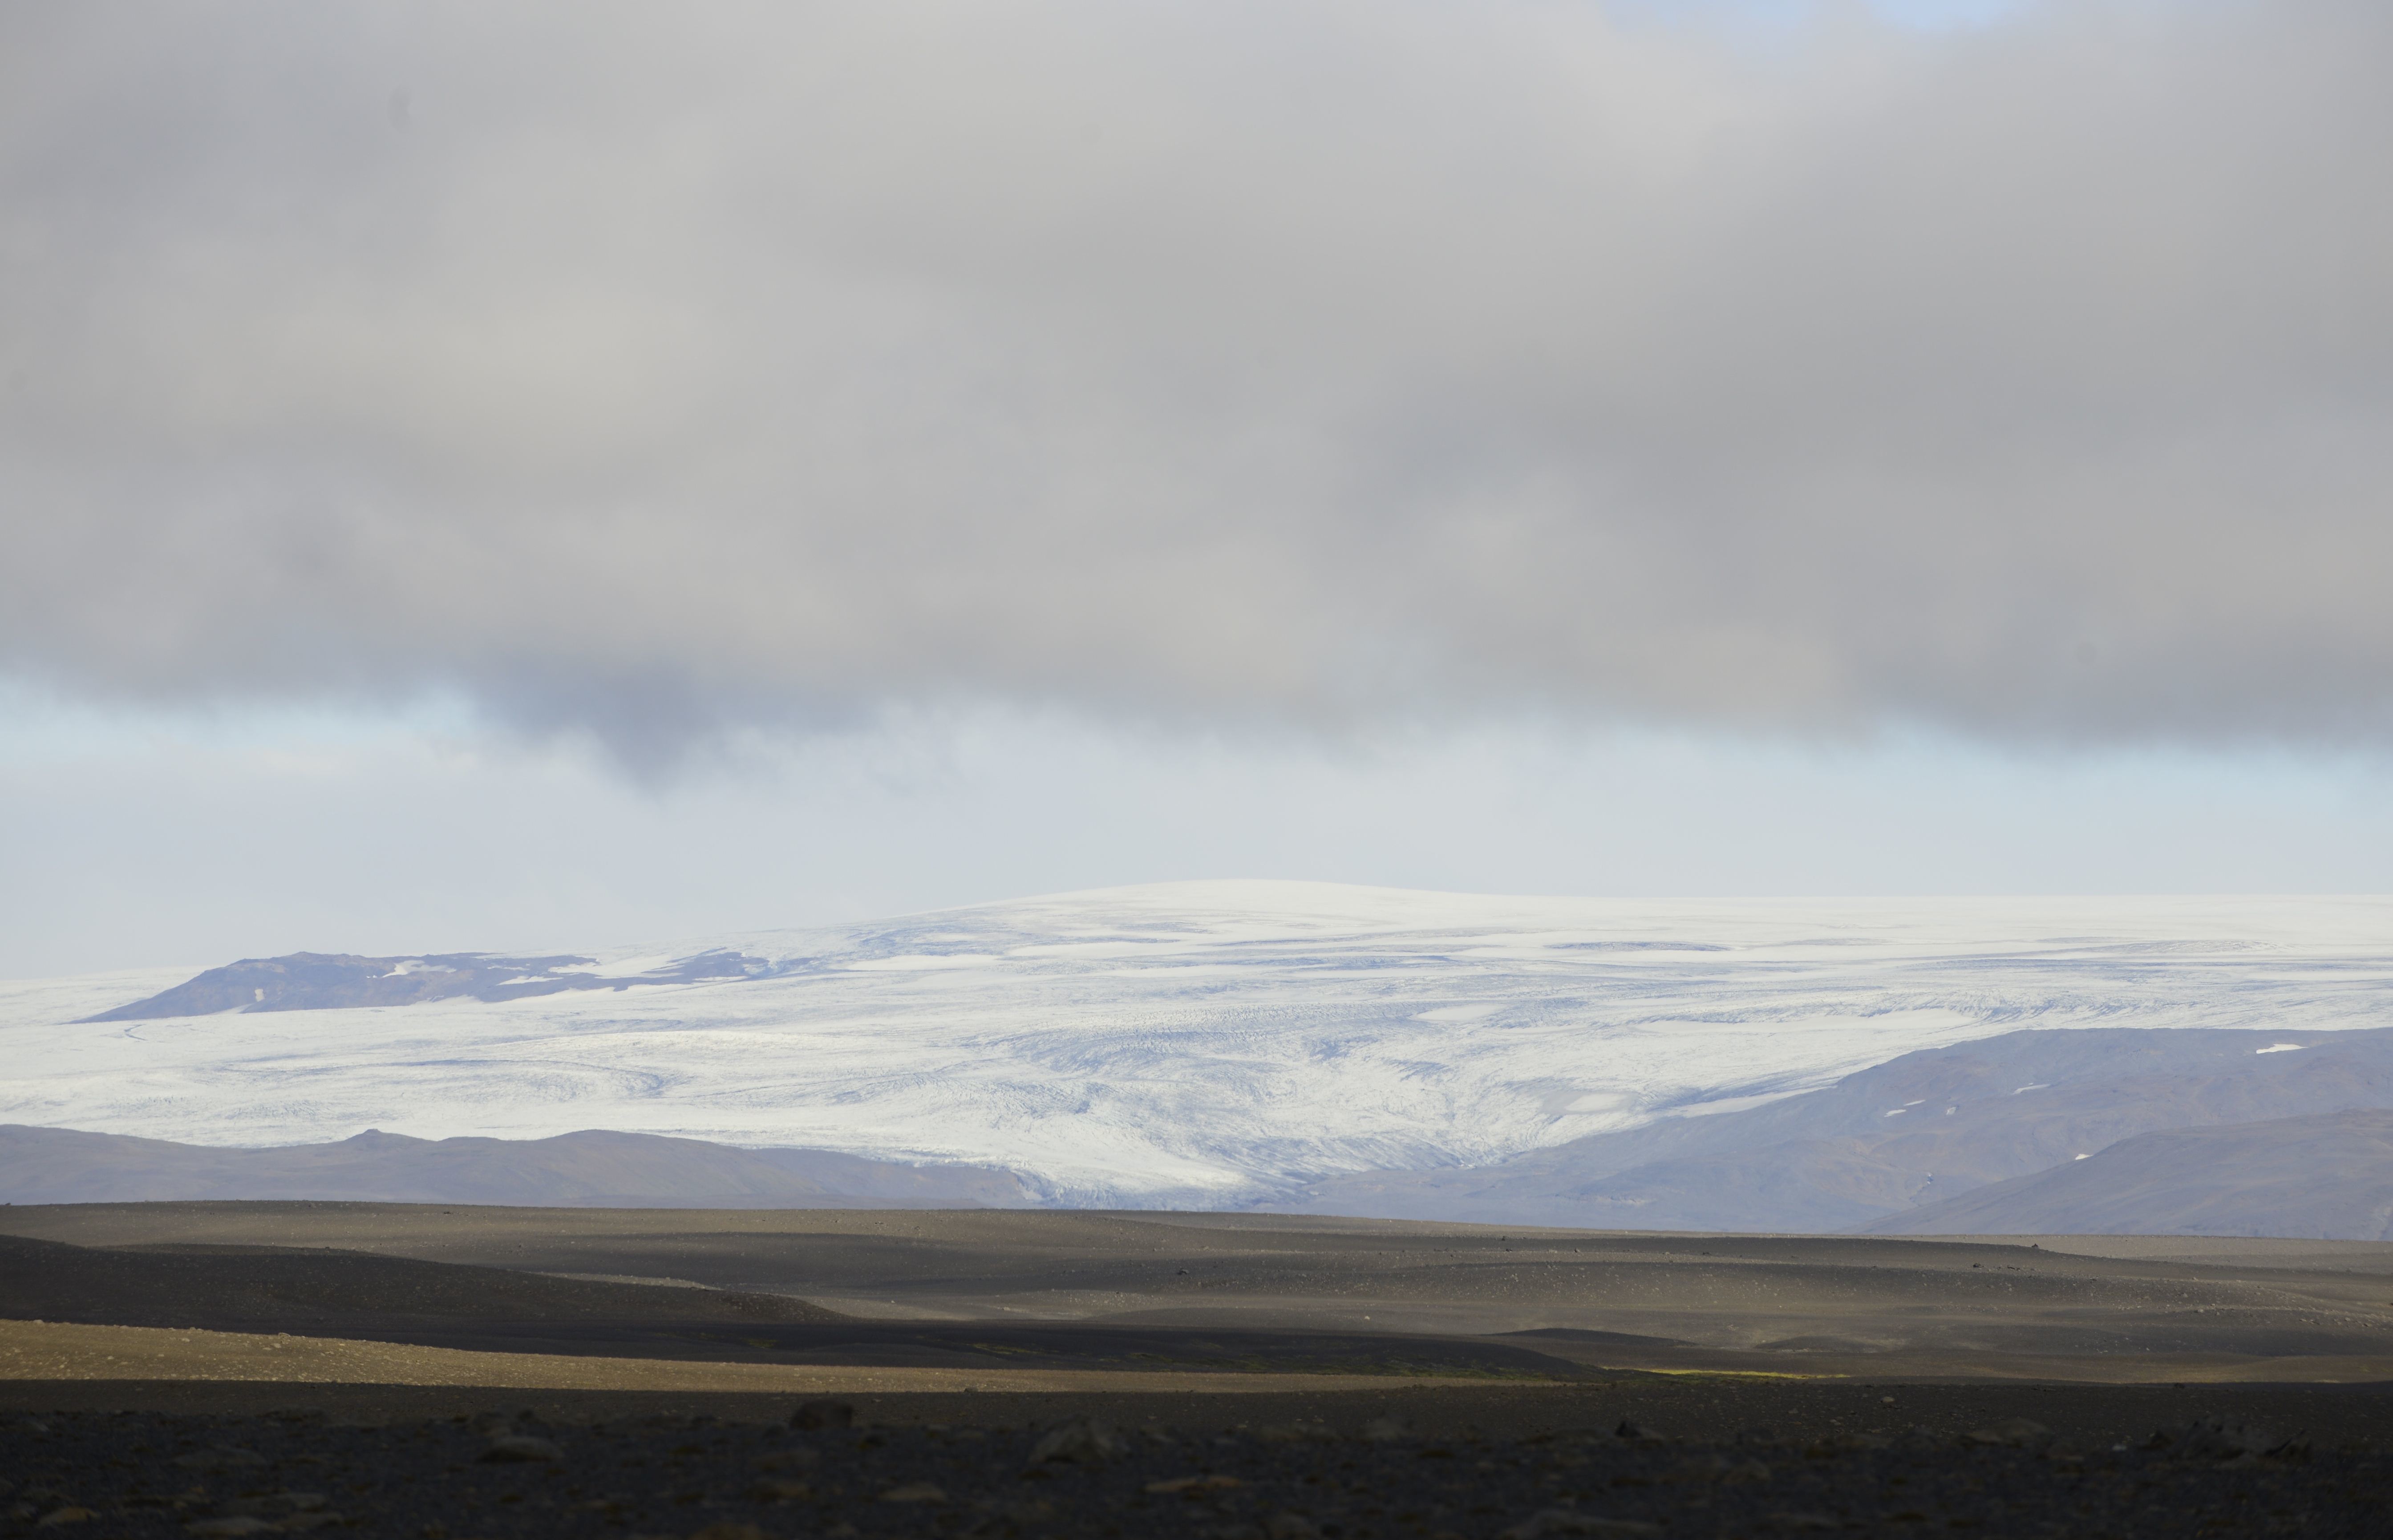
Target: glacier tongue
(1207,1043)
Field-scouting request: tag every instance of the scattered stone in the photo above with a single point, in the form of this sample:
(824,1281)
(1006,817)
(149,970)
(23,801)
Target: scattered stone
(2014,1433)
(2231,1443)
(115,1474)
(778,1490)
(1193,1485)
(1631,1433)
(1295,1432)
(520,1448)
(1713,1467)
(1564,1520)
(1386,1431)
(219,1459)
(1083,1440)
(813,1415)
(269,1503)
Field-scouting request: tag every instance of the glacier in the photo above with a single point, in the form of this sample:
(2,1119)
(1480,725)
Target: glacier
(1205,1044)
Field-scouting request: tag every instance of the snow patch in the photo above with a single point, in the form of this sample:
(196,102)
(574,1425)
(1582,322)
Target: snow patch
(418,965)
(1734,1104)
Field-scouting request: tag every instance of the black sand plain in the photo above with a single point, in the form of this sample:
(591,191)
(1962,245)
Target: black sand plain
(1185,1374)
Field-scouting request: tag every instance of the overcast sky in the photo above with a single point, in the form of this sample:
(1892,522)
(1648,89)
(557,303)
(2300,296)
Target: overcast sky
(485,476)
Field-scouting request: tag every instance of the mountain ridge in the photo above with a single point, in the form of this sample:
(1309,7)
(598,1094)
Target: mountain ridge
(1994,1110)
(2328,1176)
(1196,1045)
(592,1167)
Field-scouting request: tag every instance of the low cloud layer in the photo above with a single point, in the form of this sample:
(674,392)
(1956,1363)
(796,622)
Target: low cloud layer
(649,370)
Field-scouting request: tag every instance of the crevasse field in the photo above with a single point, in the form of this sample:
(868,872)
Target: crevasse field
(1207,1042)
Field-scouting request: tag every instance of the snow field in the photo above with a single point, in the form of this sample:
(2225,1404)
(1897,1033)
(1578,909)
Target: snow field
(1207,1043)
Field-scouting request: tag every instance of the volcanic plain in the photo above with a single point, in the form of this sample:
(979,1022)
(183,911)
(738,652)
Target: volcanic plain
(1230,1345)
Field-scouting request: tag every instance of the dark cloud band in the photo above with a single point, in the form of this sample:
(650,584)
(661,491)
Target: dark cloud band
(646,373)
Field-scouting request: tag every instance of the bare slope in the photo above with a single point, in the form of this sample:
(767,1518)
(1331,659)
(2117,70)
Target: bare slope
(2326,1176)
(360,1296)
(1913,1131)
(594,1167)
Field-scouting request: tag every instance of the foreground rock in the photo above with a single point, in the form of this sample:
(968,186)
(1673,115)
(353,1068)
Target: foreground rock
(145,1474)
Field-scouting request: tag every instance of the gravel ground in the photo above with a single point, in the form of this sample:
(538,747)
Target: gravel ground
(475,1478)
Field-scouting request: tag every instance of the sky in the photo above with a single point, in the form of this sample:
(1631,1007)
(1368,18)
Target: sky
(560,475)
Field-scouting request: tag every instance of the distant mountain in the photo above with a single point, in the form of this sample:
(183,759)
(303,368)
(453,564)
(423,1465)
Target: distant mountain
(2093,1131)
(1885,1142)
(2325,1177)
(321,980)
(591,1168)
(1227,1044)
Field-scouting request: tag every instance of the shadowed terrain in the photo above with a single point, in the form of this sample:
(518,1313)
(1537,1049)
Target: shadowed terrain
(363,1296)
(1225,1377)
(1229,1291)
(236,1287)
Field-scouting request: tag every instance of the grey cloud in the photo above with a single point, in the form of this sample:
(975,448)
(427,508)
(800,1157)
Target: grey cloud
(648,370)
